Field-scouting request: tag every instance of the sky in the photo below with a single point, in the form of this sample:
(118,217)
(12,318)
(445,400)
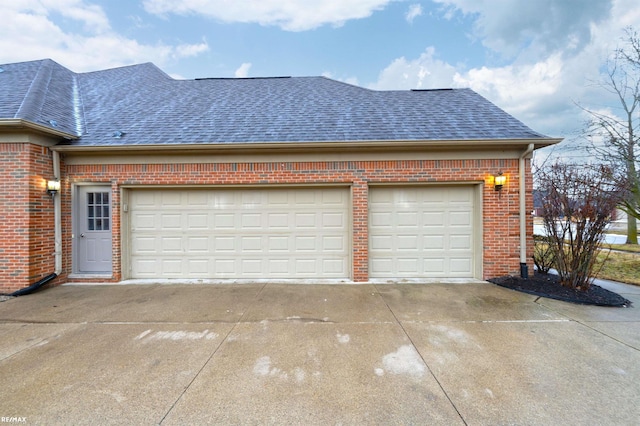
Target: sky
(539,60)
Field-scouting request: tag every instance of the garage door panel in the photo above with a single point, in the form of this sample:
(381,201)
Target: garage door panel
(433,218)
(266,233)
(417,232)
(197,245)
(197,221)
(435,265)
(408,266)
(222,244)
(460,218)
(278,244)
(143,244)
(407,243)
(306,243)
(251,244)
(407,219)
(251,220)
(305,220)
(334,243)
(171,221)
(171,267)
(306,267)
(198,268)
(171,244)
(224,221)
(460,267)
(278,220)
(381,243)
(460,242)
(381,219)
(333,220)
(143,221)
(433,242)
(224,267)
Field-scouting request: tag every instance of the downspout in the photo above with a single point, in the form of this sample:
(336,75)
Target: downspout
(524,269)
(57,218)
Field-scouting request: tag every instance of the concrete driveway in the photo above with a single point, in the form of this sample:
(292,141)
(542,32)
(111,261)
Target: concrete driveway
(431,354)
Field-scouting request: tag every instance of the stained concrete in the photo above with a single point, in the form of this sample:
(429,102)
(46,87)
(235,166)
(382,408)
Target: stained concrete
(316,354)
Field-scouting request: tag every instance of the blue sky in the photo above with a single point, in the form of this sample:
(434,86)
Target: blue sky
(536,59)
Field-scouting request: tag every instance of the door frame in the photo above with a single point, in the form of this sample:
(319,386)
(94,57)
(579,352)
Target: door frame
(75,226)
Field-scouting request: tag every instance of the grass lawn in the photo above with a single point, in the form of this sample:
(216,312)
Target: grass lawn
(620,266)
(617,262)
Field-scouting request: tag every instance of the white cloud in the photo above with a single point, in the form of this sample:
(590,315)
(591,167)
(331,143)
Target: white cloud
(414,11)
(349,80)
(189,50)
(291,15)
(95,46)
(243,70)
(426,72)
(558,50)
(540,27)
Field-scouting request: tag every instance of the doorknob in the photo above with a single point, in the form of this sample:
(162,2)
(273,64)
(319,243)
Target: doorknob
(82,235)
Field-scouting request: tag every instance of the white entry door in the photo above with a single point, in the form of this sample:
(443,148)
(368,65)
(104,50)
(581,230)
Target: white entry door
(422,232)
(93,229)
(239,233)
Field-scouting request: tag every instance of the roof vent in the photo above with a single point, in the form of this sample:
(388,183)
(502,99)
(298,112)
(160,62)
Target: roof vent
(431,90)
(1,69)
(53,123)
(118,134)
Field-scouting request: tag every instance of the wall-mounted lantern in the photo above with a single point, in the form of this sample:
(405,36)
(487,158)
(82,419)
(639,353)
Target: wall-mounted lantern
(53,187)
(498,181)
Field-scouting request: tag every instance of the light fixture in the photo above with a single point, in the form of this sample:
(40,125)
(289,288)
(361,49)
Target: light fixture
(499,181)
(53,186)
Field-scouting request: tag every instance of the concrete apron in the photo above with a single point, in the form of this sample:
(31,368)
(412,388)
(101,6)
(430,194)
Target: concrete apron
(316,354)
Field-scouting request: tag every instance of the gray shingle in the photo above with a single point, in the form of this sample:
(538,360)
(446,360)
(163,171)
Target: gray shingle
(152,108)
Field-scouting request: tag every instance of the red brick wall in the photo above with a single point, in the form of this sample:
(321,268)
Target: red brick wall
(26,228)
(500,209)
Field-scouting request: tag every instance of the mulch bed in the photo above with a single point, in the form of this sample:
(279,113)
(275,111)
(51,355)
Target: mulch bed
(548,285)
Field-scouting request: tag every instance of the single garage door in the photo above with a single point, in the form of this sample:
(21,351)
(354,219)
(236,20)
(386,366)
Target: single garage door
(240,233)
(421,232)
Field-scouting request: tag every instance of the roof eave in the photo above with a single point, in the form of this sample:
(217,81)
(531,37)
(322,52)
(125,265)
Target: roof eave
(384,145)
(22,125)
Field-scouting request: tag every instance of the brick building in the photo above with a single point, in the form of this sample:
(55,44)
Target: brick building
(301,178)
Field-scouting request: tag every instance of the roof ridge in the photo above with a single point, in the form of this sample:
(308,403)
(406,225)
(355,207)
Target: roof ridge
(34,101)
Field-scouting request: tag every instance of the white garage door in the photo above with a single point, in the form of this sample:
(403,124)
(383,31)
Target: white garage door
(245,233)
(421,232)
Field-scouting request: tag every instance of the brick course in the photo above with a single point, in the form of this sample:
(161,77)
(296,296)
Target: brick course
(26,231)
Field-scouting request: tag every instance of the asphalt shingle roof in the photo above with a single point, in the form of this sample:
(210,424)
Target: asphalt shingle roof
(150,107)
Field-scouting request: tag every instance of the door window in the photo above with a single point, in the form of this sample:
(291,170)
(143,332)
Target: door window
(98,211)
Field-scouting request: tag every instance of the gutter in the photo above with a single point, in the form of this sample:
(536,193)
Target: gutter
(20,124)
(524,269)
(382,145)
(57,218)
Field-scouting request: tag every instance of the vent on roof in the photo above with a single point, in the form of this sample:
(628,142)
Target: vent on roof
(118,134)
(1,69)
(240,78)
(53,123)
(430,90)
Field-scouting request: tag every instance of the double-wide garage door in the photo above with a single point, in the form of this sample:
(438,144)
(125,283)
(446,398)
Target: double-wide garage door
(414,232)
(240,233)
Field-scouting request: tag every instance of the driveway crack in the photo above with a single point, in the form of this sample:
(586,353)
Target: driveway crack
(444,391)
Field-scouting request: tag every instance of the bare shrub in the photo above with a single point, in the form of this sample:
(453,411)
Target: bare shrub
(543,256)
(577,203)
